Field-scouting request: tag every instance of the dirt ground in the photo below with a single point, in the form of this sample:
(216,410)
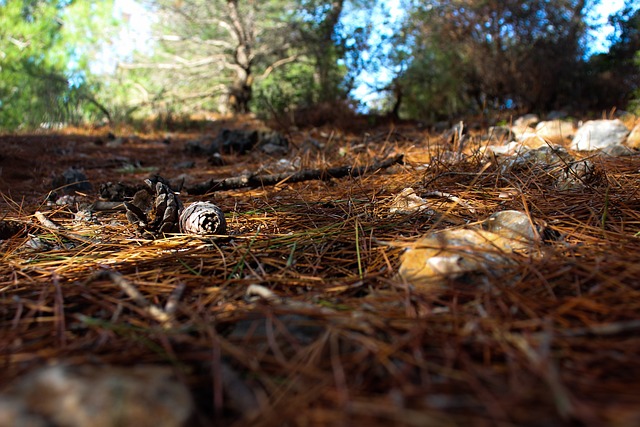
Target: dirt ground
(297,316)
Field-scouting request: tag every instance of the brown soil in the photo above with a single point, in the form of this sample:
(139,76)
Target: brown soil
(552,340)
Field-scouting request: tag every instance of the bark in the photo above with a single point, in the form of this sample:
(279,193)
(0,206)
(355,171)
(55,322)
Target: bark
(241,90)
(325,58)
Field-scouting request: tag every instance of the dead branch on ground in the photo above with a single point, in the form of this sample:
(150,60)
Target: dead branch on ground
(252,181)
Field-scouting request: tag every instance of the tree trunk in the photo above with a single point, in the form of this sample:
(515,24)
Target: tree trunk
(398,93)
(240,96)
(241,90)
(325,60)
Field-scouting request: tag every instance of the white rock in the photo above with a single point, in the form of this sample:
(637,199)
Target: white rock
(506,150)
(543,157)
(532,141)
(633,140)
(527,120)
(597,134)
(520,131)
(448,254)
(556,131)
(408,202)
(514,225)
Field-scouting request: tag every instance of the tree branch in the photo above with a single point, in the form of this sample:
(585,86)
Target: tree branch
(304,175)
(278,63)
(195,39)
(174,66)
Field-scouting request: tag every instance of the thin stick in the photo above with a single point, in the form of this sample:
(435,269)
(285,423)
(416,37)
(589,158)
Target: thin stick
(46,222)
(50,225)
(357,226)
(59,311)
(172,302)
(451,197)
(130,289)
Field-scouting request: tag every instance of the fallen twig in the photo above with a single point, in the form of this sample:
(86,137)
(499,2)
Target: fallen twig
(59,229)
(164,316)
(605,329)
(253,181)
(105,206)
(46,222)
(451,197)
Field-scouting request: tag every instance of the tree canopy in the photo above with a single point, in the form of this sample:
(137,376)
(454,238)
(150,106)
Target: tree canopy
(445,59)
(45,50)
(32,63)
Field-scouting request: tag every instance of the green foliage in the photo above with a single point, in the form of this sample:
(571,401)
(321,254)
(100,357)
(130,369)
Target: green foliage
(449,58)
(286,89)
(42,71)
(612,78)
(317,21)
(469,56)
(624,55)
(434,85)
(32,83)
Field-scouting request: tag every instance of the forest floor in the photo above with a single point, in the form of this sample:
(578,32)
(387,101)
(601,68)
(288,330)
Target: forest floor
(298,317)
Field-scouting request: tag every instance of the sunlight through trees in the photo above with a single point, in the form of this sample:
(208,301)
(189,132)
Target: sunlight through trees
(439,59)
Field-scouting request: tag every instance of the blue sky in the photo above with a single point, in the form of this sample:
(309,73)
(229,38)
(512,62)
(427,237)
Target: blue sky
(600,15)
(133,36)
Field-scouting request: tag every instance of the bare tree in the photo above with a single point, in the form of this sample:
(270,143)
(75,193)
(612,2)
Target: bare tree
(214,49)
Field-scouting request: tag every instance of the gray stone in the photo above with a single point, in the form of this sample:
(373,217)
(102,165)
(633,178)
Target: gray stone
(545,157)
(597,134)
(37,244)
(557,115)
(273,149)
(618,151)
(103,396)
(71,180)
(577,175)
(569,172)
(271,142)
